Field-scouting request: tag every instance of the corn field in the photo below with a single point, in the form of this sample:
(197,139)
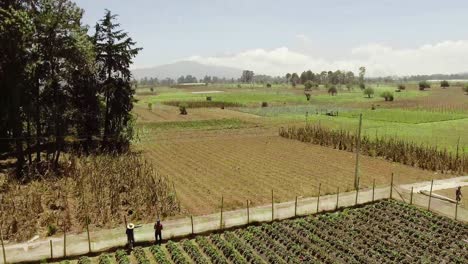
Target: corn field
(393,149)
(99,190)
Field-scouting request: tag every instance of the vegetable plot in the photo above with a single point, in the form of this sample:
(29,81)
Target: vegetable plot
(383,232)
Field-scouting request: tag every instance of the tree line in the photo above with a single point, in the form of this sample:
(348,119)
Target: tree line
(60,83)
(327,77)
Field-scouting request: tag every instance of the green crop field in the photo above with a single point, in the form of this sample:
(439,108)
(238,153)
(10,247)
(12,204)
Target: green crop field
(383,232)
(436,118)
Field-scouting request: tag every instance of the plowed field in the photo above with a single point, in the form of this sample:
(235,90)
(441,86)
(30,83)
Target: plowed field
(249,163)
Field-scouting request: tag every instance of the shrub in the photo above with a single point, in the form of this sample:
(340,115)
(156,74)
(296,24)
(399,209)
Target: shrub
(150,106)
(308,96)
(444,84)
(332,90)
(293,84)
(183,109)
(268,85)
(308,85)
(401,87)
(51,230)
(424,85)
(362,86)
(239,86)
(152,89)
(208,98)
(349,87)
(264,104)
(388,96)
(369,92)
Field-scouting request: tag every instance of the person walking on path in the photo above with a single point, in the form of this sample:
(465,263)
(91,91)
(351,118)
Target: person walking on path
(130,235)
(458,194)
(158,227)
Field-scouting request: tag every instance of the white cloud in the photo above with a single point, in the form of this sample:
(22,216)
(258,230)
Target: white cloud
(380,60)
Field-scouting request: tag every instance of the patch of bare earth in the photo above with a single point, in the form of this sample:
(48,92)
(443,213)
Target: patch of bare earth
(164,113)
(241,166)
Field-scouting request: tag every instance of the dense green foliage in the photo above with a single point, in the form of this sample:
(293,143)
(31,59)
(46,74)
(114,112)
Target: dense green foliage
(57,82)
(369,91)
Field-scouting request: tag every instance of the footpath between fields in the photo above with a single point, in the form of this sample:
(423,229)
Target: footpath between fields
(104,240)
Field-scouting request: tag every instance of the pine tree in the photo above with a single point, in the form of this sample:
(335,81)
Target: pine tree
(114,53)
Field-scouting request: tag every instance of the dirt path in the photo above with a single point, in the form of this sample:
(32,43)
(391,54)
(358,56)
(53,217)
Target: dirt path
(105,239)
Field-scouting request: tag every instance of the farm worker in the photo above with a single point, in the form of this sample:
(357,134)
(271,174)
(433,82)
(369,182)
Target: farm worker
(458,194)
(158,227)
(130,234)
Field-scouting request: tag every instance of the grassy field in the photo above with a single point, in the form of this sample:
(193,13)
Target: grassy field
(382,232)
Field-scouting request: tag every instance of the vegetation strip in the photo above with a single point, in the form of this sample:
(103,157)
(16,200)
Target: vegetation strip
(396,150)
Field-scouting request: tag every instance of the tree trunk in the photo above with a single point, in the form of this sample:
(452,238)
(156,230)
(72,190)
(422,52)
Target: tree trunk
(37,117)
(28,139)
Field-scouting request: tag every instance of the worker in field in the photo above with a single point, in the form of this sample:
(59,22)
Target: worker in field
(158,227)
(130,235)
(458,194)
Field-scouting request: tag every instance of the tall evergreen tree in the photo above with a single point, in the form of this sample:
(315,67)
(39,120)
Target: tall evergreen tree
(114,53)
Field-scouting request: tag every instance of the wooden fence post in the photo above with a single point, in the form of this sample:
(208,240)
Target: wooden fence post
(64,242)
(430,196)
(191,220)
(337,197)
(295,207)
(456,210)
(391,187)
(272,207)
(221,219)
(87,231)
(3,246)
(318,197)
(358,146)
(248,212)
(411,196)
(373,190)
(51,250)
(357,193)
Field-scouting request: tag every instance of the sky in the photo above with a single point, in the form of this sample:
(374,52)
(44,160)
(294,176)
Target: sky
(396,37)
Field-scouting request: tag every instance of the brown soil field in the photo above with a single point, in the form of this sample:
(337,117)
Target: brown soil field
(248,163)
(450,99)
(164,113)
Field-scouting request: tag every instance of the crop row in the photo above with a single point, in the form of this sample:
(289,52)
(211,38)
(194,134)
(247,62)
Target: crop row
(392,149)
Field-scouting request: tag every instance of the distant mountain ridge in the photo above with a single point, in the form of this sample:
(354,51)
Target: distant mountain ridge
(175,70)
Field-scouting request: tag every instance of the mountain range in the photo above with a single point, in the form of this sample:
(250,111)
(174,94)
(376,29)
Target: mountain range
(177,69)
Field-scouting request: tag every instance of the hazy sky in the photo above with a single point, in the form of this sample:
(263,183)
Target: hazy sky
(273,37)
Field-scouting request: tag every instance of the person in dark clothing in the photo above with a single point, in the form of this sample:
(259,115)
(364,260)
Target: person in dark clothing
(458,194)
(130,235)
(158,227)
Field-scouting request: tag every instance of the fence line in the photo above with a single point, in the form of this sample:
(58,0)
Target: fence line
(207,223)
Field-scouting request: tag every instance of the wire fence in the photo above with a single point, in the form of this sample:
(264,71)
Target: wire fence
(102,240)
